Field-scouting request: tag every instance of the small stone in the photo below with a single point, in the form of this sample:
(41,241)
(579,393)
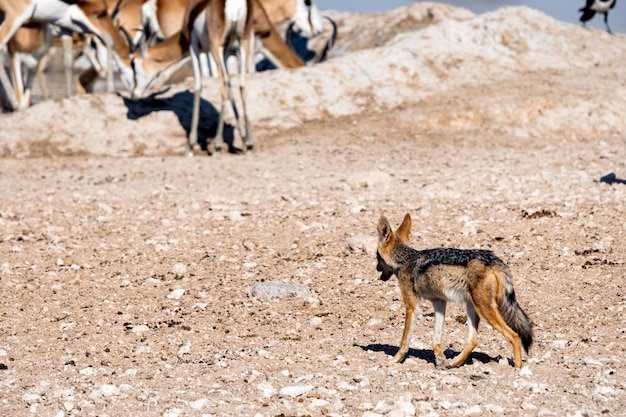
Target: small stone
(451,380)
(199,404)
(474,410)
(87,371)
(109,390)
(296,390)
(140,329)
(525,371)
(174,412)
(185,349)
(269,291)
(29,398)
(176,294)
(405,407)
(179,269)
(315,321)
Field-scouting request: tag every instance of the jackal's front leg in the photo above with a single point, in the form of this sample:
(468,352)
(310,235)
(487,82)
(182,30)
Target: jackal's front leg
(412,315)
(407,334)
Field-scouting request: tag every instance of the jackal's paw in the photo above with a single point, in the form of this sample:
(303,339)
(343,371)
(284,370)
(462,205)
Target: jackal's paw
(442,363)
(395,359)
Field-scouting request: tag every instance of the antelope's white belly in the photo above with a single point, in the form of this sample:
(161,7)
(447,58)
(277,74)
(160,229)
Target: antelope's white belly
(601,6)
(235,11)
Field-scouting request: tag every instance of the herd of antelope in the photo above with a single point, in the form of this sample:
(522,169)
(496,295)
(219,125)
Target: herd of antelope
(146,41)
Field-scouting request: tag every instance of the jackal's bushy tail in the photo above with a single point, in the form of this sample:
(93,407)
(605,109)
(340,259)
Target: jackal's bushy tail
(513,314)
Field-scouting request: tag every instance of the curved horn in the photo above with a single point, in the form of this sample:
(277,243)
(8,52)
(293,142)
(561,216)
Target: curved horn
(131,44)
(288,34)
(331,42)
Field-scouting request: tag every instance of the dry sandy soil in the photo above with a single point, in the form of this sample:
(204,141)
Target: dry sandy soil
(126,269)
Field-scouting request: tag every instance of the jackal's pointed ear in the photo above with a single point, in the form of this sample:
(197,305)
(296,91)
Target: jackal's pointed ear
(404,231)
(384,230)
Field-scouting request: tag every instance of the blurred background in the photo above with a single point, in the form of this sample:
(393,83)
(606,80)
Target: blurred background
(566,11)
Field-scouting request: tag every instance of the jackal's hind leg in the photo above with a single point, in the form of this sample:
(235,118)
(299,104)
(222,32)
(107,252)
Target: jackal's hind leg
(472,337)
(440,314)
(489,311)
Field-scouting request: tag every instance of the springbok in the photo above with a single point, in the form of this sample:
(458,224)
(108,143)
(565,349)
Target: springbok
(127,16)
(163,18)
(26,50)
(84,16)
(303,14)
(201,33)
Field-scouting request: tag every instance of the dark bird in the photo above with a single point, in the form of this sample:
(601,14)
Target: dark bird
(597,6)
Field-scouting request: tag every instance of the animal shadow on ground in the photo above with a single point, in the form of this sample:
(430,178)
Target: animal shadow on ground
(429,355)
(611,178)
(181,104)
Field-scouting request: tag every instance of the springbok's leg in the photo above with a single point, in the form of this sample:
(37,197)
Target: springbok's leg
(67,43)
(222,71)
(197,90)
(18,82)
(244,123)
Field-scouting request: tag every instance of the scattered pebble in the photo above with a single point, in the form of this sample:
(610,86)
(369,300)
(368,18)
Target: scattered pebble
(269,291)
(296,390)
(176,294)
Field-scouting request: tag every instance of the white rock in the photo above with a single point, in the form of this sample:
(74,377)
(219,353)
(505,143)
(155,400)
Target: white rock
(267,390)
(179,269)
(374,322)
(525,371)
(317,403)
(29,398)
(405,407)
(140,329)
(176,294)
(528,406)
(423,407)
(451,380)
(87,371)
(296,390)
(185,349)
(315,321)
(383,407)
(199,404)
(345,386)
(174,412)
(109,390)
(474,410)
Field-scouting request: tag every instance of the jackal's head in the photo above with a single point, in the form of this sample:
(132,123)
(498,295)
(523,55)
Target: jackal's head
(387,242)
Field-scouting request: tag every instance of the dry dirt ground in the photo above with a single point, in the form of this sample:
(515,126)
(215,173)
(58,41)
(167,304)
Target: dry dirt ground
(125,280)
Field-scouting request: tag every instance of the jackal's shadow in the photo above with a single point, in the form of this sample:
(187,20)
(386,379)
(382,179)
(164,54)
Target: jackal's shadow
(181,104)
(428,355)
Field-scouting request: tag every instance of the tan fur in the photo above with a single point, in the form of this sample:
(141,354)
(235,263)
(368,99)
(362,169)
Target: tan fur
(442,275)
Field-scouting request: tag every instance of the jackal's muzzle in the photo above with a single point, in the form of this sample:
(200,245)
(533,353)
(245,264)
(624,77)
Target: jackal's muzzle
(386,271)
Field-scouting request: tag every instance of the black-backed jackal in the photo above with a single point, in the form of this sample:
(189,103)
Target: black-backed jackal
(477,278)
